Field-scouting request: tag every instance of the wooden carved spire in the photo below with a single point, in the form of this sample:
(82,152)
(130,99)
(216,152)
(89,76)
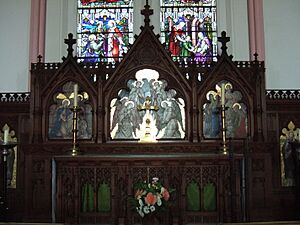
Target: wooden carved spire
(147,12)
(70,41)
(223,39)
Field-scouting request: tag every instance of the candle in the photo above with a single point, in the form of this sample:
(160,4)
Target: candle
(75,95)
(223,94)
(5,136)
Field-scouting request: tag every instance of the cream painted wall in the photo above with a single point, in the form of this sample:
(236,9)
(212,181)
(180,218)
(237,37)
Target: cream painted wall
(14,45)
(282,45)
(60,20)
(232,17)
(139,19)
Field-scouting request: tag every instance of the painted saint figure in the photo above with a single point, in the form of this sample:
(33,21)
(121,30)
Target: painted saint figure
(61,127)
(175,38)
(202,48)
(212,119)
(288,157)
(115,42)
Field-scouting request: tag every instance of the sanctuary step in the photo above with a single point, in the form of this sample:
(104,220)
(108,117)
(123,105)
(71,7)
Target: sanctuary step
(14,223)
(252,223)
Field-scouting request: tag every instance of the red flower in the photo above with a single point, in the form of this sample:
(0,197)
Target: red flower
(150,199)
(166,195)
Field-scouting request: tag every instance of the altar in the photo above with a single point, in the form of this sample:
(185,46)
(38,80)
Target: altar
(215,179)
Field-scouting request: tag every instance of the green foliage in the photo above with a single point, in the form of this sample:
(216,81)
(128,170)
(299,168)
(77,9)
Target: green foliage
(150,198)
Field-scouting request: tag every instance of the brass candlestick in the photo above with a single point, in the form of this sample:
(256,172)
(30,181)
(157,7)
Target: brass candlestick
(75,149)
(224,148)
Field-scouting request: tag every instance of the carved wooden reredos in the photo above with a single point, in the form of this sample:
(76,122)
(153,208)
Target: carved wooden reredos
(103,82)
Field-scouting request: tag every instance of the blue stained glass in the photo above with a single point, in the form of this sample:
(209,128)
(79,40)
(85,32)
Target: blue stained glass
(189,30)
(104,30)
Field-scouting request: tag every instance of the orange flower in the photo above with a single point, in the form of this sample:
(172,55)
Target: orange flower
(150,199)
(166,195)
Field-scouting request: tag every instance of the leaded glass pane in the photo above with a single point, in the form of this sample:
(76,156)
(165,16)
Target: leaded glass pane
(104,29)
(189,29)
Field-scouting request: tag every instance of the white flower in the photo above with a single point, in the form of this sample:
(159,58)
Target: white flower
(141,202)
(162,190)
(155,179)
(138,209)
(152,208)
(159,202)
(146,209)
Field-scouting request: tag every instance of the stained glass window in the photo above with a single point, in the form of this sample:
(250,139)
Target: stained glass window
(104,29)
(189,29)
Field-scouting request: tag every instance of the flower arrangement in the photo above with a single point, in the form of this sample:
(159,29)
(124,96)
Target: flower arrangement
(151,197)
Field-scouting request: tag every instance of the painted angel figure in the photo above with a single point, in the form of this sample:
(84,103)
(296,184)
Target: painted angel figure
(171,121)
(126,119)
(136,93)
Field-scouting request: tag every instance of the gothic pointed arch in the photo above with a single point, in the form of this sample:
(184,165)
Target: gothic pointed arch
(148,54)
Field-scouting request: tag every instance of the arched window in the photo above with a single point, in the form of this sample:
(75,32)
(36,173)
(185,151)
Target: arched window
(189,30)
(104,29)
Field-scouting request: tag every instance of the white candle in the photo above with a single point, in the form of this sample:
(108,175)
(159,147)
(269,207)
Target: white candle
(5,136)
(75,95)
(223,94)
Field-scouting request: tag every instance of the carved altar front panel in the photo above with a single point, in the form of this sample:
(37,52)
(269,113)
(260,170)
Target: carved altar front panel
(81,182)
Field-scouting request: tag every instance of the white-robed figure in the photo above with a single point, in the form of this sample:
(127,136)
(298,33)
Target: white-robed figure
(124,121)
(172,121)
(169,121)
